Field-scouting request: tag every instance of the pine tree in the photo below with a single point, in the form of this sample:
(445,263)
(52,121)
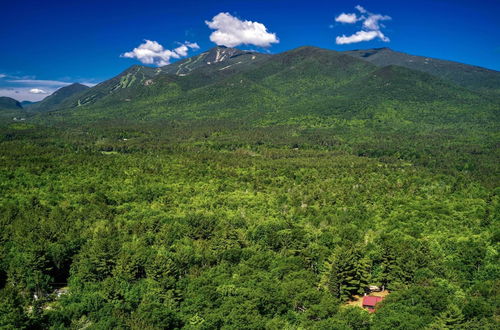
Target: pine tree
(448,319)
(346,273)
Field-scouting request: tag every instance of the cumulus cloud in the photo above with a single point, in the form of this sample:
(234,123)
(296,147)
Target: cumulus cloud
(370,29)
(37,91)
(231,32)
(183,49)
(346,18)
(151,52)
(371,22)
(359,37)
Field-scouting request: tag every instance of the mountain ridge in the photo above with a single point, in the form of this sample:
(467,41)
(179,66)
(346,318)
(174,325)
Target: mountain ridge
(466,75)
(302,82)
(230,78)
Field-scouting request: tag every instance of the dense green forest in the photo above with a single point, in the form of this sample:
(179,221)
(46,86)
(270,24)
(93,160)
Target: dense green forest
(261,194)
(217,224)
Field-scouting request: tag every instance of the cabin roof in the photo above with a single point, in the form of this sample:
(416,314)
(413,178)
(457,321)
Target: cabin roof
(371,301)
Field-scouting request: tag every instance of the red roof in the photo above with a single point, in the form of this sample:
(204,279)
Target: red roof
(371,301)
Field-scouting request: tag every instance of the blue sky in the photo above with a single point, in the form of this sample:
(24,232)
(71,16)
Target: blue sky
(45,44)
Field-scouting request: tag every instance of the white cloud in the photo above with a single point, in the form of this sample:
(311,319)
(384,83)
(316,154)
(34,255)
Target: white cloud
(231,32)
(371,27)
(151,52)
(37,91)
(346,18)
(371,22)
(192,45)
(360,36)
(361,9)
(38,82)
(182,50)
(2,75)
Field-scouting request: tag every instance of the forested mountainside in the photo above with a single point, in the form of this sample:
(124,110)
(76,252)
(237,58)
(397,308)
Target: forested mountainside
(469,76)
(238,190)
(10,108)
(7,103)
(314,80)
(57,99)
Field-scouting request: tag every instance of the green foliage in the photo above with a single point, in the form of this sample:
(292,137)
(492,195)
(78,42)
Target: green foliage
(12,315)
(347,272)
(58,98)
(232,227)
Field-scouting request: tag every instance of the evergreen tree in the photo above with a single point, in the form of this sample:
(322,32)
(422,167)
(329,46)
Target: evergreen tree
(346,273)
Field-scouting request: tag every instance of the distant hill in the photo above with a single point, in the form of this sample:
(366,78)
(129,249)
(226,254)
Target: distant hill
(8,103)
(469,76)
(10,108)
(58,98)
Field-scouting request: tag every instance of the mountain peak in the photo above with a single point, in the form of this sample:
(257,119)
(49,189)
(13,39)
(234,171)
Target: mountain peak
(222,53)
(78,85)
(307,50)
(58,98)
(74,87)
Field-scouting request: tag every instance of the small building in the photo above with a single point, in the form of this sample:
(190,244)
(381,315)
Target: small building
(374,288)
(369,302)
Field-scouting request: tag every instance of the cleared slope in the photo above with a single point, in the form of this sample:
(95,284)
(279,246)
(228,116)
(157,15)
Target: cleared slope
(217,63)
(231,58)
(122,85)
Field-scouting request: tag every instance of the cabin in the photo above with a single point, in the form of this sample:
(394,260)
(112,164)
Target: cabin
(369,302)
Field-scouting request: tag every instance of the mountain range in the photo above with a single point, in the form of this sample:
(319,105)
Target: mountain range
(307,81)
